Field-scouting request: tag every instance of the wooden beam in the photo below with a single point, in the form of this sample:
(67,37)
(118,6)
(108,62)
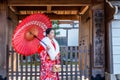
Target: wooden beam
(52,12)
(49,2)
(44,8)
(29,8)
(65,22)
(84,10)
(54,8)
(113,0)
(49,9)
(56,17)
(14,9)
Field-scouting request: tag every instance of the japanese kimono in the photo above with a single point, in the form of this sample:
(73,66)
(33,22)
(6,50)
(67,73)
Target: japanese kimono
(49,58)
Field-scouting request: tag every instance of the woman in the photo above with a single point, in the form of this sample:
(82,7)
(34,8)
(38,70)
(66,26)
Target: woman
(49,56)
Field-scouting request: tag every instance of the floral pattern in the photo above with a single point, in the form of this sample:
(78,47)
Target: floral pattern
(46,72)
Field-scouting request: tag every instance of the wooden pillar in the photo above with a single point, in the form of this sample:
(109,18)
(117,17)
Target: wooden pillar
(112,13)
(85,40)
(92,36)
(12,23)
(98,44)
(109,16)
(3,38)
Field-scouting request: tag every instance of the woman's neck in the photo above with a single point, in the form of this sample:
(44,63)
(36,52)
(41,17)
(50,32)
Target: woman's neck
(50,38)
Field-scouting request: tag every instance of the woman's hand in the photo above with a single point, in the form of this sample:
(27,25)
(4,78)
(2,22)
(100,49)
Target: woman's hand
(56,68)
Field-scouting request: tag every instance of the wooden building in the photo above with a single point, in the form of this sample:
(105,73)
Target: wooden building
(95,29)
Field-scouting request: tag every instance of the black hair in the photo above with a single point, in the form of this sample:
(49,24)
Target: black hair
(48,31)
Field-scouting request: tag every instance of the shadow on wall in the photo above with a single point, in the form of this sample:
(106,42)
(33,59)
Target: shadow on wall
(98,77)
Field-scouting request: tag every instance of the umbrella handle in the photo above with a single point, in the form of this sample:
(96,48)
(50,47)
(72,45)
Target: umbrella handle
(38,38)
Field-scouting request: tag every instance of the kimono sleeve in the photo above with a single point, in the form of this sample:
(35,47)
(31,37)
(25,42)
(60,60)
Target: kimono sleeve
(40,48)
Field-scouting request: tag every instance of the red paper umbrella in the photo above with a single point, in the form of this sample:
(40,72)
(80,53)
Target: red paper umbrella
(29,32)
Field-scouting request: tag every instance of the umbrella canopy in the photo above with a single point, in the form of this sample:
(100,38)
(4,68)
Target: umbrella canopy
(29,32)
